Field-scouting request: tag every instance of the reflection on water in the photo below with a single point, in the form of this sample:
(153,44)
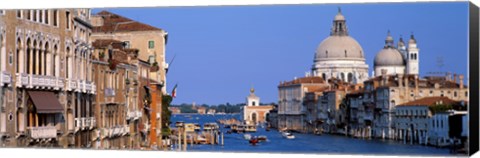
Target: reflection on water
(304,143)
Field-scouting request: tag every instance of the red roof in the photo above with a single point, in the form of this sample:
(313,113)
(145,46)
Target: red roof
(303,80)
(116,23)
(430,101)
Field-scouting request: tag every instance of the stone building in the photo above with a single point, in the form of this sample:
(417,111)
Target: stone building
(400,89)
(332,106)
(150,43)
(47,88)
(310,101)
(116,104)
(149,40)
(291,109)
(413,120)
(253,113)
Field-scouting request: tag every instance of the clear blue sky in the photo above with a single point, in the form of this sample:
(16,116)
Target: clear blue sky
(222,51)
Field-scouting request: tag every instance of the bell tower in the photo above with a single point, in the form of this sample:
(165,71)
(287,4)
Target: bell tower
(412,56)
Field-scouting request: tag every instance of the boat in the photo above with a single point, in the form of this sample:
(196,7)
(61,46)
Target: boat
(288,135)
(247,136)
(253,141)
(250,128)
(201,139)
(210,126)
(240,128)
(197,127)
(262,138)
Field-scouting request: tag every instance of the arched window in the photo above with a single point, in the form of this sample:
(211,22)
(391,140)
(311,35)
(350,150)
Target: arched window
(324,76)
(342,75)
(350,77)
(326,53)
(40,58)
(392,103)
(345,53)
(68,63)
(34,55)
(19,47)
(253,103)
(3,51)
(46,60)
(54,63)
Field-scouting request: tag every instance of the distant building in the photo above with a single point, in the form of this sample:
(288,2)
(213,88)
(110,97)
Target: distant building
(174,110)
(253,112)
(211,111)
(201,110)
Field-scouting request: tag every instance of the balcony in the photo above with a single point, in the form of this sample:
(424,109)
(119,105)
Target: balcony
(126,129)
(78,124)
(71,85)
(22,80)
(6,78)
(88,123)
(139,114)
(103,133)
(93,122)
(42,132)
(39,81)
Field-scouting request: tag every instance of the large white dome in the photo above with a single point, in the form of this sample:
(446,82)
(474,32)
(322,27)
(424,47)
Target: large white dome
(340,47)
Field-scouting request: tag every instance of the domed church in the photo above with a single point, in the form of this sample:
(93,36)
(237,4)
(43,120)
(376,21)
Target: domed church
(397,60)
(340,56)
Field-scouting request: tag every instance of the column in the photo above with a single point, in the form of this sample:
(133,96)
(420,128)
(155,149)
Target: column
(35,63)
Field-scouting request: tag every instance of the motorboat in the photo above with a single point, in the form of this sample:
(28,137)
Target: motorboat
(262,138)
(197,127)
(247,136)
(253,141)
(250,128)
(201,139)
(288,135)
(240,128)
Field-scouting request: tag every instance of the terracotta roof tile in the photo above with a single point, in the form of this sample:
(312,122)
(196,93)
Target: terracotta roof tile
(116,23)
(303,80)
(104,43)
(430,101)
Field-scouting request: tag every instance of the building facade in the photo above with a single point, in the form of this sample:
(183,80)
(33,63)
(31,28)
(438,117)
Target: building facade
(253,113)
(149,40)
(291,109)
(47,87)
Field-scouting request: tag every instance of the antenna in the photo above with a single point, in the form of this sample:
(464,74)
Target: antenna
(440,62)
(170,64)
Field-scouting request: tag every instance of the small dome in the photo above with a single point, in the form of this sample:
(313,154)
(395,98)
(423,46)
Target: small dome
(389,57)
(339,47)
(339,17)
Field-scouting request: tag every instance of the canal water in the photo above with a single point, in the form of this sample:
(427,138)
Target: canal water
(304,143)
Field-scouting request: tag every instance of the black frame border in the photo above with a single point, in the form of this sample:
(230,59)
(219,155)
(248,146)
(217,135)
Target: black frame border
(473,110)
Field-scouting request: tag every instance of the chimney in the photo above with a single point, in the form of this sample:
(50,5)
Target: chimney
(460,77)
(384,77)
(416,84)
(400,78)
(407,92)
(449,76)
(455,78)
